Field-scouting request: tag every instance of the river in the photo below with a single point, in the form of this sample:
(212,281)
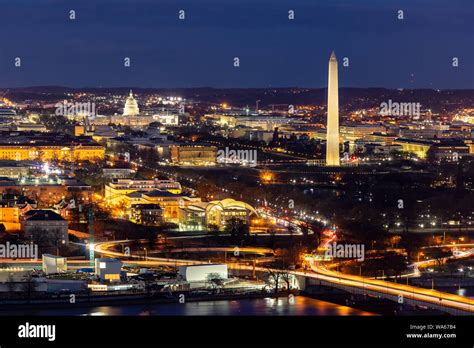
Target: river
(297,306)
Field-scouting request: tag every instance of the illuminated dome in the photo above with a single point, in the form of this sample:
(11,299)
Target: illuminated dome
(131,106)
(230,204)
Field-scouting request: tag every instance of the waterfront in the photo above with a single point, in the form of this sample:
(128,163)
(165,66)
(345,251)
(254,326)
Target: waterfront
(297,306)
(466,292)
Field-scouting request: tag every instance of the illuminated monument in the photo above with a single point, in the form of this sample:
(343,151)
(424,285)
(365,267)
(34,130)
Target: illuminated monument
(332,132)
(131,106)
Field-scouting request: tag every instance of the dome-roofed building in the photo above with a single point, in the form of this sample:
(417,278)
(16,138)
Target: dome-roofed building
(131,106)
(217,213)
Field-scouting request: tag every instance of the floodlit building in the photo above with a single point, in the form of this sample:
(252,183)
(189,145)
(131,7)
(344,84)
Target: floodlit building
(14,169)
(417,147)
(131,106)
(108,269)
(220,212)
(217,213)
(146,214)
(54,264)
(193,216)
(193,155)
(360,131)
(29,146)
(119,188)
(49,191)
(13,206)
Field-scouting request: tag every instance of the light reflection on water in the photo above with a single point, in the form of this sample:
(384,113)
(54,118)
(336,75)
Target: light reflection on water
(298,305)
(465,292)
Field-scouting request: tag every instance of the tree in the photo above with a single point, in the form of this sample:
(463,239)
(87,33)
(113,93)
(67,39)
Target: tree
(151,236)
(40,237)
(393,263)
(440,254)
(29,285)
(238,229)
(213,229)
(216,280)
(276,275)
(11,283)
(291,229)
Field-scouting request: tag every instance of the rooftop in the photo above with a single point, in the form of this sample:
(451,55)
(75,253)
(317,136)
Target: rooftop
(43,215)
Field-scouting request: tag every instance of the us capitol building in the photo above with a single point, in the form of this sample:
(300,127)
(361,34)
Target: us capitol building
(131,106)
(132,117)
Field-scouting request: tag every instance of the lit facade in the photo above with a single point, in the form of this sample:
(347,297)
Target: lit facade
(332,135)
(193,155)
(119,188)
(217,213)
(131,106)
(81,152)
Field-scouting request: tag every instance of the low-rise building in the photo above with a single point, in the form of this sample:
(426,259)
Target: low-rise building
(417,147)
(119,188)
(108,269)
(29,146)
(14,169)
(216,213)
(203,273)
(46,221)
(193,155)
(451,152)
(54,264)
(146,214)
(14,206)
(118,173)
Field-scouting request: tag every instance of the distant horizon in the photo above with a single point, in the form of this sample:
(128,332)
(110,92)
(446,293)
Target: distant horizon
(223,88)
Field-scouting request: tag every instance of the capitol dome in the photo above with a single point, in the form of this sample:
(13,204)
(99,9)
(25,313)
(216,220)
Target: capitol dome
(131,106)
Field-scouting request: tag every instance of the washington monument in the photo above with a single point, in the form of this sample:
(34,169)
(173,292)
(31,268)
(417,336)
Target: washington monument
(332,132)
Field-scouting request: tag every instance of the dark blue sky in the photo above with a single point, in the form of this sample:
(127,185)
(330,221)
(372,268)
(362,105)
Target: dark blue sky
(166,52)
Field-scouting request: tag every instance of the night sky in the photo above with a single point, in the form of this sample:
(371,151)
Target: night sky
(274,51)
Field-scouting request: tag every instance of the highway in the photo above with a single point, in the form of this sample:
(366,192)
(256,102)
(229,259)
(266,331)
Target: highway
(319,272)
(395,289)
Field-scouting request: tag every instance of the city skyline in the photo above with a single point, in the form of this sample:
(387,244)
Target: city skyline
(169,164)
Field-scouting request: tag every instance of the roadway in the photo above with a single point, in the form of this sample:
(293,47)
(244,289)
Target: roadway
(321,273)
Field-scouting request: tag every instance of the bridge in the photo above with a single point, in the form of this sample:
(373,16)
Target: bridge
(406,294)
(320,275)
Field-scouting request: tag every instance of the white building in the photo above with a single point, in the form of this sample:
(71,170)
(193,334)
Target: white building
(168,119)
(131,106)
(54,264)
(202,273)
